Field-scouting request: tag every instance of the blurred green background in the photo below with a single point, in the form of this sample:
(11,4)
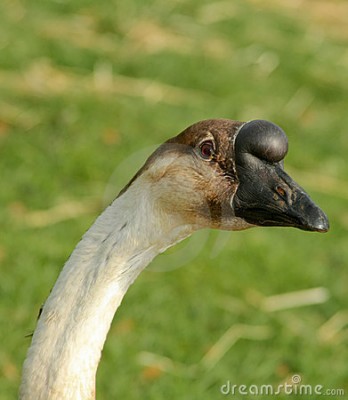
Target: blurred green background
(86,88)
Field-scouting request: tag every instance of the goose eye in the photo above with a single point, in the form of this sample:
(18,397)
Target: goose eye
(207,150)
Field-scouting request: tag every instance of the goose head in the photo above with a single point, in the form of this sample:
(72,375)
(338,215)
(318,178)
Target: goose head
(229,175)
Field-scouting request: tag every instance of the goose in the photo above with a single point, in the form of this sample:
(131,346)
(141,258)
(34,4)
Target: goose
(217,173)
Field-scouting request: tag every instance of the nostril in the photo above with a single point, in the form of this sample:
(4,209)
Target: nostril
(281,192)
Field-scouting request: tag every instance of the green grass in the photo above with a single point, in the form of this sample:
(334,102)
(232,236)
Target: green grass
(69,118)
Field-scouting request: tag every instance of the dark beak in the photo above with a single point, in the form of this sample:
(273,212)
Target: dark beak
(268,196)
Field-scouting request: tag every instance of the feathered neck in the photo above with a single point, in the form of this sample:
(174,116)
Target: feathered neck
(66,347)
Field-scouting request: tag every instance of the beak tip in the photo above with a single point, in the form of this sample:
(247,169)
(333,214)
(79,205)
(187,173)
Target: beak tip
(320,228)
(323,227)
(320,224)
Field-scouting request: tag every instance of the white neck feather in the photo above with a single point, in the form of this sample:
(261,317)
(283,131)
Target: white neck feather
(66,348)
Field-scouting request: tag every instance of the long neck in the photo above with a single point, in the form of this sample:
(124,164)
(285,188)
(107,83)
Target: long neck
(66,348)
